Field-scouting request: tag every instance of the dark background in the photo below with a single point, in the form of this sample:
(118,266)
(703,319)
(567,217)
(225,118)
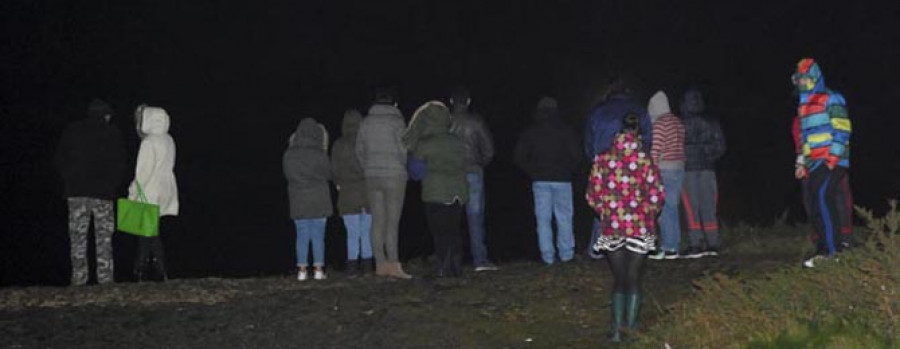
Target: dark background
(237,76)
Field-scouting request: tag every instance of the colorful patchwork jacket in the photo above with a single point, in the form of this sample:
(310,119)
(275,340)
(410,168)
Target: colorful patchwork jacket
(625,189)
(823,132)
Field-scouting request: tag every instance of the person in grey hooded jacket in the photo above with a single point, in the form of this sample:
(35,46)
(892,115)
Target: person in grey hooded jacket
(308,171)
(382,155)
(351,186)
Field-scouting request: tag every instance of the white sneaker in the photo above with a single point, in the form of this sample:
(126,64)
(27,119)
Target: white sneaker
(486,267)
(811,262)
(302,275)
(320,275)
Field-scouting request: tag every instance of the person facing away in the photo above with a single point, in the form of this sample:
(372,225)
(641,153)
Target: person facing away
(307,170)
(444,187)
(606,121)
(382,156)
(704,144)
(473,131)
(624,189)
(91,160)
(825,130)
(668,154)
(548,153)
(154,179)
(351,187)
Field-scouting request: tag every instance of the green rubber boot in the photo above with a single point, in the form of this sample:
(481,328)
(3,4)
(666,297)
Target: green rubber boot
(618,312)
(632,310)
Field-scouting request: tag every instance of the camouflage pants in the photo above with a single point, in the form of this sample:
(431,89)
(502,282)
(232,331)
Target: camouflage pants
(80,211)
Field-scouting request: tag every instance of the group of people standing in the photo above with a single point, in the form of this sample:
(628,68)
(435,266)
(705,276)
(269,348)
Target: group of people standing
(646,161)
(91,159)
(444,147)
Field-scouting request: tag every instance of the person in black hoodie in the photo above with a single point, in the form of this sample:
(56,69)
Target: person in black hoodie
(91,160)
(548,152)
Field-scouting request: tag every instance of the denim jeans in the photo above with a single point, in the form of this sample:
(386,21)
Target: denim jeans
(359,236)
(554,199)
(475,216)
(310,230)
(669,225)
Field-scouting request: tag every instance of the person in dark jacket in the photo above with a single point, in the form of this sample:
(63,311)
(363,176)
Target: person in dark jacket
(308,171)
(382,155)
(704,143)
(91,160)
(351,186)
(548,153)
(444,188)
(472,130)
(606,121)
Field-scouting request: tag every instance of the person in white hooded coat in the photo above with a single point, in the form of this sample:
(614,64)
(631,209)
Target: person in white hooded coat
(155,174)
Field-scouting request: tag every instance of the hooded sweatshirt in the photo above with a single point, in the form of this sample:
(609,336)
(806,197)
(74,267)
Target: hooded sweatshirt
(348,173)
(704,142)
(307,170)
(625,189)
(668,134)
(378,145)
(548,149)
(156,163)
(91,155)
(444,155)
(824,122)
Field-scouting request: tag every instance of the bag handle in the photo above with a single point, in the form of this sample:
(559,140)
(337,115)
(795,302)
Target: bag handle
(141,195)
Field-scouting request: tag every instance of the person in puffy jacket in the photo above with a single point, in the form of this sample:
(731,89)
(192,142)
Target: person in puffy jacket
(444,187)
(154,179)
(548,153)
(625,191)
(308,171)
(704,144)
(91,160)
(382,155)
(824,157)
(351,187)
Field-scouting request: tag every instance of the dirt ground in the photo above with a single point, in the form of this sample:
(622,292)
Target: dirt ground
(523,305)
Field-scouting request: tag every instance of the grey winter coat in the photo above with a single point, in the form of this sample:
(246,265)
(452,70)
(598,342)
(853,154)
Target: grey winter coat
(379,147)
(348,173)
(308,171)
(473,131)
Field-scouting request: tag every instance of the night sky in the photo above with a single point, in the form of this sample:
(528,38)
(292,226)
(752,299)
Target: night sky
(237,76)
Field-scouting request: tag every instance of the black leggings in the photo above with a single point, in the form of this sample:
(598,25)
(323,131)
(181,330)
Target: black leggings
(627,268)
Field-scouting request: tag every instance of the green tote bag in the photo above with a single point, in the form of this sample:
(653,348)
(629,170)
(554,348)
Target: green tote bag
(137,217)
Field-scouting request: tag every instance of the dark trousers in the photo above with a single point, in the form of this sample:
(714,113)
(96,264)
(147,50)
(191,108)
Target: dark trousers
(444,222)
(627,268)
(828,207)
(844,205)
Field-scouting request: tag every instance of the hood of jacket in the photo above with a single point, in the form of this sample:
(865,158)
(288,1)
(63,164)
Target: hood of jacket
(808,68)
(350,125)
(154,121)
(547,109)
(658,106)
(385,109)
(692,103)
(626,143)
(310,134)
(430,118)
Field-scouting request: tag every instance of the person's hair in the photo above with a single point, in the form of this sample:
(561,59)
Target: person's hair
(631,123)
(384,96)
(460,95)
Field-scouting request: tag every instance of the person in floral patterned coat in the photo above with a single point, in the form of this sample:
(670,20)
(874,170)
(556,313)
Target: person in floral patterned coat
(626,192)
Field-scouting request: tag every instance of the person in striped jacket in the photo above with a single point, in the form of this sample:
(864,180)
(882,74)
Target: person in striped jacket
(824,139)
(668,152)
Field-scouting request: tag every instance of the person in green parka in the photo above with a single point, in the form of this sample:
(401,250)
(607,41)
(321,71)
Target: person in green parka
(444,188)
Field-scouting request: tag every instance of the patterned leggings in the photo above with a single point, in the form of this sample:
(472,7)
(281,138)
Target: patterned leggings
(80,211)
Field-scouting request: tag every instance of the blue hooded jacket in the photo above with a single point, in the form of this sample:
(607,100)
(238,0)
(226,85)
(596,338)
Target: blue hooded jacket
(606,120)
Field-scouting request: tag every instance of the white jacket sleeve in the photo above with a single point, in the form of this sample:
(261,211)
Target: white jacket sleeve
(146,161)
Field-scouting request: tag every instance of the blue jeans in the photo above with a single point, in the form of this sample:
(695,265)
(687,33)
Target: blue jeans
(554,199)
(669,225)
(475,216)
(359,236)
(310,230)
